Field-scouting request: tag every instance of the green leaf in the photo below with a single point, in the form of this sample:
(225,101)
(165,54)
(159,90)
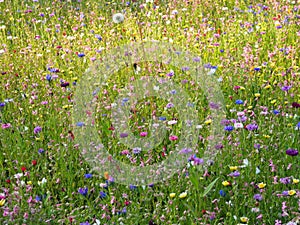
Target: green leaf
(209,187)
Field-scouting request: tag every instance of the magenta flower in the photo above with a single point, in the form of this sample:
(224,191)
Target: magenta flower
(143,134)
(173,138)
(6,126)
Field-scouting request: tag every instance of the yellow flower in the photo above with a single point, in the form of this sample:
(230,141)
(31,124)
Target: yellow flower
(172,195)
(292,192)
(2,201)
(244,219)
(232,168)
(225,183)
(295,181)
(257,95)
(207,122)
(261,185)
(183,195)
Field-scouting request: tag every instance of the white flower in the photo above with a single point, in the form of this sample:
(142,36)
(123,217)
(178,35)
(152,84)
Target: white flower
(238,125)
(118,18)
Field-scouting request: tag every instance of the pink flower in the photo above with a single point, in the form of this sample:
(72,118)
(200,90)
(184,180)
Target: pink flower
(173,138)
(143,134)
(6,126)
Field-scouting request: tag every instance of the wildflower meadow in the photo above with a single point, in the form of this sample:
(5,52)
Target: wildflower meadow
(145,112)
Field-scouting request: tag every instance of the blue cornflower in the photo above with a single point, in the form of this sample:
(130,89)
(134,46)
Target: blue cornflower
(48,77)
(228,128)
(222,193)
(132,187)
(83,191)
(102,194)
(80,124)
(162,118)
(239,102)
(88,175)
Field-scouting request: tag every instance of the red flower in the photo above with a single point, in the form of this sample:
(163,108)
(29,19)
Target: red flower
(23,168)
(34,162)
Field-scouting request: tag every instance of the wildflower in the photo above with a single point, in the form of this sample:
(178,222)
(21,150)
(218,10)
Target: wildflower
(239,102)
(183,195)
(118,18)
(295,181)
(226,183)
(2,202)
(83,191)
(238,125)
(37,130)
(170,105)
(207,122)
(143,134)
(172,195)
(123,135)
(244,219)
(261,185)
(291,192)
(136,150)
(228,128)
(232,168)
(88,175)
(106,175)
(258,197)
(173,138)
(222,193)
(252,127)
(102,194)
(257,95)
(292,152)
(6,126)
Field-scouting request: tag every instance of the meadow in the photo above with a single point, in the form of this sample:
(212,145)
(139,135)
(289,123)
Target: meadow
(243,168)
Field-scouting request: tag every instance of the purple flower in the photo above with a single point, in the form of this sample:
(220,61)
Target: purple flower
(258,197)
(285,180)
(65,84)
(102,194)
(85,223)
(170,105)
(37,130)
(123,135)
(252,127)
(286,88)
(83,191)
(292,152)
(185,151)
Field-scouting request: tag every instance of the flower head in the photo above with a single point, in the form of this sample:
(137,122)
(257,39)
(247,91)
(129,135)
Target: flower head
(118,18)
